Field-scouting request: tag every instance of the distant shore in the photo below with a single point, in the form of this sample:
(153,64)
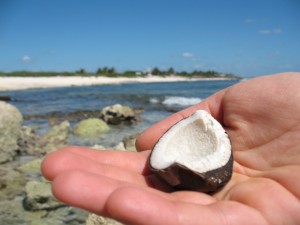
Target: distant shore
(22,83)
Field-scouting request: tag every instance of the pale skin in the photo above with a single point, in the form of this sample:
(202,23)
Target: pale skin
(262,118)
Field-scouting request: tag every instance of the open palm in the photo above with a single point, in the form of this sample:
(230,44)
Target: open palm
(262,118)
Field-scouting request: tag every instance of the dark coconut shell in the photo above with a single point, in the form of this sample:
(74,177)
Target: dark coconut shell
(182,178)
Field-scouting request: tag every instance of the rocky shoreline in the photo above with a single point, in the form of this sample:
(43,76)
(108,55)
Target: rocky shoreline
(25,196)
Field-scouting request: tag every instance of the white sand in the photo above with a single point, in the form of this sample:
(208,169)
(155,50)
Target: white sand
(19,83)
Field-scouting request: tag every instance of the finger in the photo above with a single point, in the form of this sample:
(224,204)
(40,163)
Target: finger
(84,190)
(135,205)
(277,204)
(287,176)
(62,161)
(131,161)
(89,191)
(193,197)
(139,206)
(149,137)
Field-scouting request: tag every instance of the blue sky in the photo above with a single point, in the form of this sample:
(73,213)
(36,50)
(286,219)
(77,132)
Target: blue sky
(243,37)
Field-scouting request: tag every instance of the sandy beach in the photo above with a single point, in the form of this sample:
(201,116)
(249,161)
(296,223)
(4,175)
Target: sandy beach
(21,83)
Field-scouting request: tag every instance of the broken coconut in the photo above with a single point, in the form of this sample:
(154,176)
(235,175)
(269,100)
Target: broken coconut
(194,154)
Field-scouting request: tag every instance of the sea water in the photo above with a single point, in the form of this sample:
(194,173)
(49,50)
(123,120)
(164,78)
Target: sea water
(158,100)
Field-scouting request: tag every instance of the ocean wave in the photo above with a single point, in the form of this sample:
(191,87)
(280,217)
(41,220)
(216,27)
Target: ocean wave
(175,101)
(180,101)
(154,100)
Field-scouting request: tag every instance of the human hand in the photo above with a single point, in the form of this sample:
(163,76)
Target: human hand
(262,118)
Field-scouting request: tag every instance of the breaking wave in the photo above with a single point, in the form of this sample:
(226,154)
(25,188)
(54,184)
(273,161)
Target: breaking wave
(180,101)
(176,101)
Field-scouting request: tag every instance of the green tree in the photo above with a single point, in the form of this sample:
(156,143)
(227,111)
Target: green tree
(81,71)
(99,71)
(104,70)
(112,70)
(170,71)
(156,71)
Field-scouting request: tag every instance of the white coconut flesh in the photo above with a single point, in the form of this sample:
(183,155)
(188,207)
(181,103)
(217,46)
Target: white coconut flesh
(198,142)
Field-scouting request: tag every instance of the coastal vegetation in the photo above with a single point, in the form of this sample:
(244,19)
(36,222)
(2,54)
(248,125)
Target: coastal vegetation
(112,72)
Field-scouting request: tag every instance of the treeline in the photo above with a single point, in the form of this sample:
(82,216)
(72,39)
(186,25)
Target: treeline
(195,73)
(112,72)
(34,74)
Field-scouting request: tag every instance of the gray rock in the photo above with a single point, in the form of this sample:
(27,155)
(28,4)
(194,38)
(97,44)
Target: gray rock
(127,144)
(12,182)
(117,114)
(99,147)
(94,219)
(32,144)
(91,128)
(56,138)
(120,146)
(12,212)
(66,215)
(10,123)
(39,196)
(33,166)
(28,141)
(5,98)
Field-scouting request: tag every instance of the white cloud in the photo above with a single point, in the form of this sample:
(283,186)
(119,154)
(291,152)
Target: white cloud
(26,59)
(187,55)
(270,31)
(190,56)
(250,21)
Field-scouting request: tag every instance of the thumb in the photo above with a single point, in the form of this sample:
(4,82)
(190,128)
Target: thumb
(149,137)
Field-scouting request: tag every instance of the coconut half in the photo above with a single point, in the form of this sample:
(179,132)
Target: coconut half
(194,154)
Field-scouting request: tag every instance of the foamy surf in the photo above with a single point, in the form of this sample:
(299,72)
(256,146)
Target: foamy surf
(180,101)
(175,101)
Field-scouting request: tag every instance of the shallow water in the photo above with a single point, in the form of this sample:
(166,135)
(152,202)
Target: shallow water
(158,100)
